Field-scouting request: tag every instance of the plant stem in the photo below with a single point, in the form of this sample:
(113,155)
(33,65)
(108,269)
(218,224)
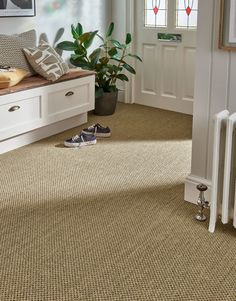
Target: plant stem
(106,48)
(119,65)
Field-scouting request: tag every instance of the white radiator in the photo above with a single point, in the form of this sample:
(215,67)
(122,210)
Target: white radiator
(223,199)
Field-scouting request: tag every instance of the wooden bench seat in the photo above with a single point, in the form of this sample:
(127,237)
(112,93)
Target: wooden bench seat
(38,81)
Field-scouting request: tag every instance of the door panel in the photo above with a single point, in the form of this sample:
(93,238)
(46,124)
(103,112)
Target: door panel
(149,73)
(169,70)
(166,77)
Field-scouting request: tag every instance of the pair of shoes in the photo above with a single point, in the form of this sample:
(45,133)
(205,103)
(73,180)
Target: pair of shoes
(80,140)
(98,130)
(88,136)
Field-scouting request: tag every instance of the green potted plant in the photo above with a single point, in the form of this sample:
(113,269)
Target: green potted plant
(108,61)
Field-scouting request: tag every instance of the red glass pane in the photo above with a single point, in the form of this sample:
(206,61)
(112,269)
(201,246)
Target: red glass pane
(188,10)
(155,9)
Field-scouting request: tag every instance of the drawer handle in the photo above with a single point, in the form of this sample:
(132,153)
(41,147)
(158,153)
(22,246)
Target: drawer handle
(14,108)
(70,93)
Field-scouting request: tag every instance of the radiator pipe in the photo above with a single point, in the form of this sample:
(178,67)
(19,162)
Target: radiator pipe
(202,203)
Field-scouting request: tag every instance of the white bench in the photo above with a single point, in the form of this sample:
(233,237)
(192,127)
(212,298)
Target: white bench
(36,108)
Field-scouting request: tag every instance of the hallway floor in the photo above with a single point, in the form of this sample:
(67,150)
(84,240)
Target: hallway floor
(108,222)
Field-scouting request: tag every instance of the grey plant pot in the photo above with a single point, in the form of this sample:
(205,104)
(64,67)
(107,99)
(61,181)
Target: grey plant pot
(106,104)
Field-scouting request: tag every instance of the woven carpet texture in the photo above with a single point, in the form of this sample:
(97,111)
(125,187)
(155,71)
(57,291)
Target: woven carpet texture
(109,222)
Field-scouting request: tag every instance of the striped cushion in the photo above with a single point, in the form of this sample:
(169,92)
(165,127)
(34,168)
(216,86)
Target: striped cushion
(11,53)
(46,61)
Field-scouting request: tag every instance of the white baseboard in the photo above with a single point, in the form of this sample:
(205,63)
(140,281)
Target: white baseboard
(41,133)
(191,193)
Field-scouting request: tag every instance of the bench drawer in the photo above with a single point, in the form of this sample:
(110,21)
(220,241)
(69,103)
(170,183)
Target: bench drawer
(20,116)
(69,102)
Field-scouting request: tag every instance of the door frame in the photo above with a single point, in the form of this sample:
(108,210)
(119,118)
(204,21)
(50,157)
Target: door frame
(130,27)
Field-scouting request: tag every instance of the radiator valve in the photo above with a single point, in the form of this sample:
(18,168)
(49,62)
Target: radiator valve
(202,203)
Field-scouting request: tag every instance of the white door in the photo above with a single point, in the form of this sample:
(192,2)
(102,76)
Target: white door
(166,40)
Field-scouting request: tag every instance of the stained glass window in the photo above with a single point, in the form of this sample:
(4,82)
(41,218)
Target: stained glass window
(186,13)
(156,13)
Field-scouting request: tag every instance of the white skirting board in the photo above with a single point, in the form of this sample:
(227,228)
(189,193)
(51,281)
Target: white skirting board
(41,133)
(191,193)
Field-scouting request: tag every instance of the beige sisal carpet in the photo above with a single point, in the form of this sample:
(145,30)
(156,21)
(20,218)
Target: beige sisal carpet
(108,222)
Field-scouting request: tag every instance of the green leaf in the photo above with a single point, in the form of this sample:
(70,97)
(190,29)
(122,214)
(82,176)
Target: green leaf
(90,39)
(98,68)
(79,29)
(104,60)
(76,57)
(135,56)
(94,56)
(66,45)
(74,32)
(117,58)
(80,50)
(110,30)
(113,51)
(117,44)
(129,68)
(113,69)
(122,77)
(59,34)
(128,39)
(117,68)
(80,63)
(84,37)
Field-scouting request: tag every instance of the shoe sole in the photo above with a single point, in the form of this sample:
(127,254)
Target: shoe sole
(99,135)
(81,144)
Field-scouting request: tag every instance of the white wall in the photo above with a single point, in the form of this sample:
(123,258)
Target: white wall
(119,17)
(122,10)
(93,14)
(215,90)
